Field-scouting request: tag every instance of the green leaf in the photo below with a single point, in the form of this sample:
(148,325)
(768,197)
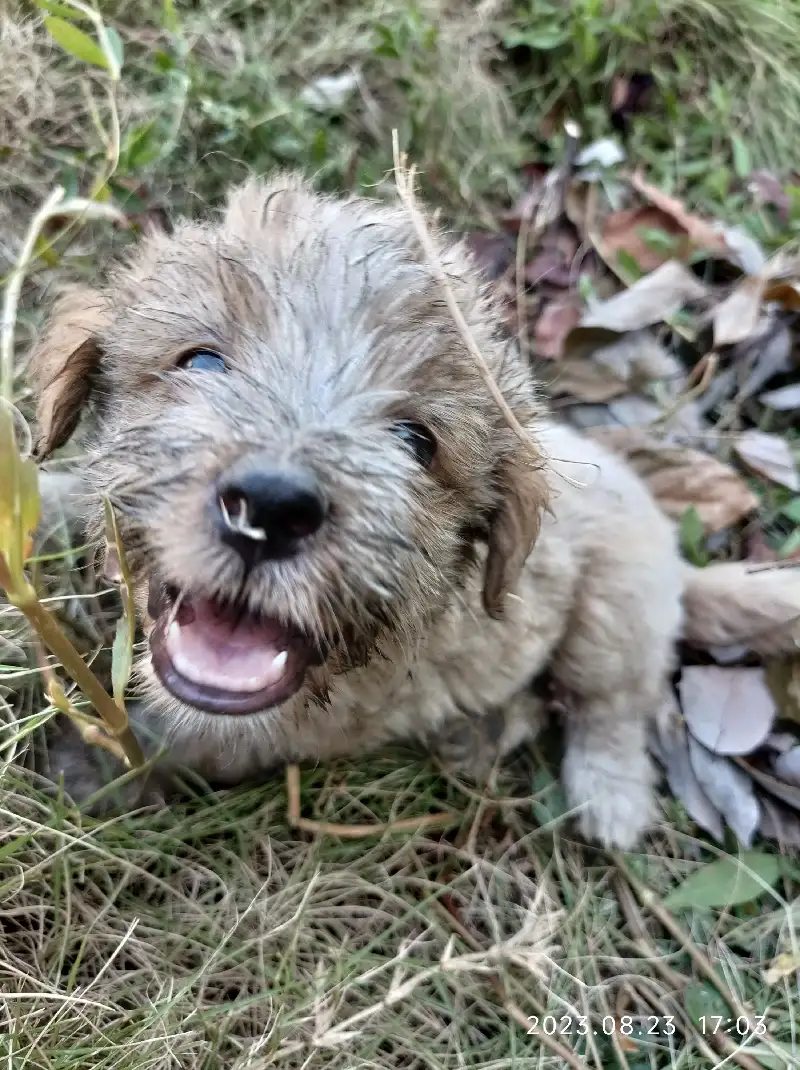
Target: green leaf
(792,510)
(658,239)
(773,1056)
(791,544)
(629,265)
(542,40)
(692,536)
(115,45)
(727,882)
(20,503)
(701,1000)
(169,17)
(742,163)
(76,42)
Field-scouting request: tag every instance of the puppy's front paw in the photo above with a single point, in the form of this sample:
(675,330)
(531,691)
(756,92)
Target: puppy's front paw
(616,799)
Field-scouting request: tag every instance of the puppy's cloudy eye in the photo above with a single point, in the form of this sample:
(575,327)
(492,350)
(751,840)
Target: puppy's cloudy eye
(202,360)
(418,439)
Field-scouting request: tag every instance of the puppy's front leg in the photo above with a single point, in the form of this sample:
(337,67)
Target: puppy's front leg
(606,771)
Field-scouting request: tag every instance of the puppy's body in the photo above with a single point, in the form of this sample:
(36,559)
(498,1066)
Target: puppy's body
(304,342)
(598,603)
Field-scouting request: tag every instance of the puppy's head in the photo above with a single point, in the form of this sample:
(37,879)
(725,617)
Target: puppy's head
(301,449)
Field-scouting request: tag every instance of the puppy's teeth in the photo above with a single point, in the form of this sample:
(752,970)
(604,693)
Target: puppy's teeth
(279,661)
(174,630)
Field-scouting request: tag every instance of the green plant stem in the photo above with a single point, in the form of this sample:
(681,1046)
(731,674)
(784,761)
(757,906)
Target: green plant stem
(57,643)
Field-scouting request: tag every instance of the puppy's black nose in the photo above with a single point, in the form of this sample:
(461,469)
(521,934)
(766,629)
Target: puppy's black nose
(265,515)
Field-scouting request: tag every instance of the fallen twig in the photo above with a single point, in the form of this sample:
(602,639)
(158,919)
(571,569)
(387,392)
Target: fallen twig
(353,832)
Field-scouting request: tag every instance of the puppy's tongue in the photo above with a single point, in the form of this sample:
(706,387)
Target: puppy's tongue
(211,648)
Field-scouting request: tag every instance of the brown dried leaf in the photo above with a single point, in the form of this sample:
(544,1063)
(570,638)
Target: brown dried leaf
(679,477)
(728,710)
(553,325)
(587,380)
(786,292)
(700,232)
(729,789)
(626,232)
(768,190)
(493,252)
(737,317)
(769,456)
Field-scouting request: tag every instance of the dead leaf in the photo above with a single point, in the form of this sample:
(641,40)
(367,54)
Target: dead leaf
(728,710)
(737,317)
(551,267)
(679,477)
(587,381)
(633,230)
(787,766)
(673,752)
(554,324)
(767,190)
(700,232)
(650,300)
(787,793)
(768,455)
(779,823)
(744,250)
(786,292)
(729,789)
(784,399)
(493,252)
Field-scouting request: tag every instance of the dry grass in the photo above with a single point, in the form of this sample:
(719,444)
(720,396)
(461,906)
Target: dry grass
(215,936)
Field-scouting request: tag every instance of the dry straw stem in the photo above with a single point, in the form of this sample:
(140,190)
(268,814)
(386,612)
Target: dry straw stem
(404,180)
(516,1013)
(48,630)
(353,832)
(530,949)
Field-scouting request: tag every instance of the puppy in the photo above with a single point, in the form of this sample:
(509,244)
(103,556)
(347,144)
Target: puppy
(336,538)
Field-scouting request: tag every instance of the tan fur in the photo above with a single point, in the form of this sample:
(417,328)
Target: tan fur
(434,595)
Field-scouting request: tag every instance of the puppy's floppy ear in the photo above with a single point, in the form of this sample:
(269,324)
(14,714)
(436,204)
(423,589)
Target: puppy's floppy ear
(514,525)
(62,366)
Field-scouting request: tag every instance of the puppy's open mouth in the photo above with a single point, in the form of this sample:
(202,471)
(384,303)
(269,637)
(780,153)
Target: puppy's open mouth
(221,659)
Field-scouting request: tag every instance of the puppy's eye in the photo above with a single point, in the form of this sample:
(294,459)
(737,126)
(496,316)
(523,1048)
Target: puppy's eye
(418,439)
(202,360)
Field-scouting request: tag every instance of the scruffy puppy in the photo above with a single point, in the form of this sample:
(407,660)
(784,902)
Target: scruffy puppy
(332,527)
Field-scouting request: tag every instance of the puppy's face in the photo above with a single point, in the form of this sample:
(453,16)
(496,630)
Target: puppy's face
(299,446)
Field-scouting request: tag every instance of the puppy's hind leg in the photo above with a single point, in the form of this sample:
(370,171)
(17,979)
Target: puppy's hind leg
(612,670)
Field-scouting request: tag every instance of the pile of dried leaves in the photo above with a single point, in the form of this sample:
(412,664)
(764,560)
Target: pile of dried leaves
(675,341)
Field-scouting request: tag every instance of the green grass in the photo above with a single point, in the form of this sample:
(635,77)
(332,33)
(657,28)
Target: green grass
(215,936)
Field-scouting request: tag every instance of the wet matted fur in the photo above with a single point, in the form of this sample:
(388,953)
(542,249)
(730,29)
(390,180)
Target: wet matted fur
(307,335)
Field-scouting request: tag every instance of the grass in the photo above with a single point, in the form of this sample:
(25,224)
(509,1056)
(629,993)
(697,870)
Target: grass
(214,935)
